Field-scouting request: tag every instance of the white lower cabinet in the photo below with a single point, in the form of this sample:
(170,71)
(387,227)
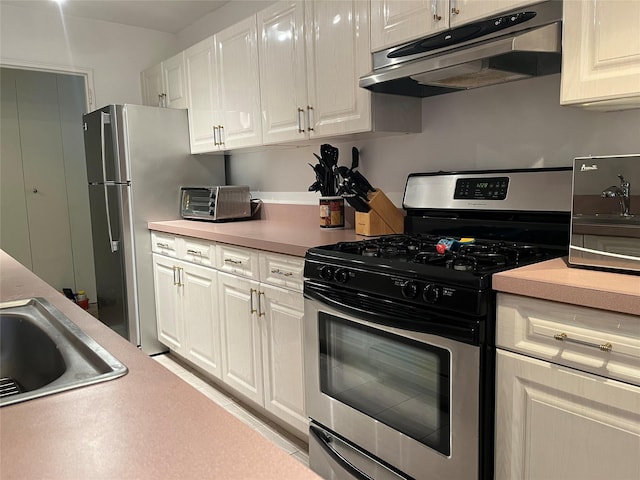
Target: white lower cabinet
(241,336)
(554,422)
(282,355)
(237,313)
(574,411)
(262,355)
(187,311)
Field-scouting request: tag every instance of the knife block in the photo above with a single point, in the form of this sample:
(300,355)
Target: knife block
(384,217)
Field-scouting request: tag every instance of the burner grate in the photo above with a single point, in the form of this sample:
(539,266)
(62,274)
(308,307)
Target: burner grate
(9,386)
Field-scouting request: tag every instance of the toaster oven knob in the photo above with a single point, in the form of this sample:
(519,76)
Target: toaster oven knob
(341,275)
(409,289)
(326,273)
(431,293)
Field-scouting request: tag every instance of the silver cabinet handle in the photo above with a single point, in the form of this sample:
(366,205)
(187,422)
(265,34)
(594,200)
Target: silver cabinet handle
(195,253)
(300,120)
(215,137)
(221,131)
(434,8)
(261,311)
(176,276)
(162,245)
(277,271)
(310,118)
(563,337)
(454,8)
(251,307)
(232,261)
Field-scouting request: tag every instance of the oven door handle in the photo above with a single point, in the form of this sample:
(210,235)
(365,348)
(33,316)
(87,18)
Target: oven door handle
(323,438)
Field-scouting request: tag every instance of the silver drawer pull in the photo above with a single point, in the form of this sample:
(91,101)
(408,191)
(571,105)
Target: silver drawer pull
(162,245)
(563,337)
(277,271)
(194,252)
(232,261)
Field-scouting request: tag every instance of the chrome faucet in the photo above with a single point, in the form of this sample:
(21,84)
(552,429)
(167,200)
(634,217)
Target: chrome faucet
(623,192)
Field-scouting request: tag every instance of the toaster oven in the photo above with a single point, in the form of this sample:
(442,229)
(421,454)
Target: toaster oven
(214,204)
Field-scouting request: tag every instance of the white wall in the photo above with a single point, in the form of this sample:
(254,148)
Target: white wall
(116,53)
(514,125)
(218,20)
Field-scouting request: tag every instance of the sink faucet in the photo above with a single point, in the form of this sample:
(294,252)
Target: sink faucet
(623,192)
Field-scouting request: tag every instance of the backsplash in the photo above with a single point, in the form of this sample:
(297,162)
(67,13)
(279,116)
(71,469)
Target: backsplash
(517,125)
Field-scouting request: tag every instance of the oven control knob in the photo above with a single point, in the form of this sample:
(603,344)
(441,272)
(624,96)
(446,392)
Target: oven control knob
(341,275)
(409,289)
(326,273)
(431,293)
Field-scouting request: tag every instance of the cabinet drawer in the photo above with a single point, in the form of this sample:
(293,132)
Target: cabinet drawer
(198,251)
(281,270)
(164,244)
(597,341)
(238,260)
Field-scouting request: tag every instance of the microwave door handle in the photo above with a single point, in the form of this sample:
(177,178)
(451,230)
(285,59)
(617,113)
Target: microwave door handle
(105,118)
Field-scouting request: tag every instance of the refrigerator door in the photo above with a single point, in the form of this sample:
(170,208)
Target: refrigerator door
(101,140)
(106,227)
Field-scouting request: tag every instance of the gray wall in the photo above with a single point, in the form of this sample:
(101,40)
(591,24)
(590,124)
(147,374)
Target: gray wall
(515,125)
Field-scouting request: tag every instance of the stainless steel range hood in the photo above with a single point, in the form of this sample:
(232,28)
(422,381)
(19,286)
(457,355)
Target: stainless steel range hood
(516,45)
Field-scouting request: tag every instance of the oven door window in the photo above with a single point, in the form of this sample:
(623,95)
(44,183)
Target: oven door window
(398,381)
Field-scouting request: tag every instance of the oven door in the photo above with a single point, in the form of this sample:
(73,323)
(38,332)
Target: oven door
(408,399)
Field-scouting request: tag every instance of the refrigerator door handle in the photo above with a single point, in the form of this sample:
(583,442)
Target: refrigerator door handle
(105,119)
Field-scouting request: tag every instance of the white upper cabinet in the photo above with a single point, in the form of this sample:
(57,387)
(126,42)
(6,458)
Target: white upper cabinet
(202,98)
(238,80)
(312,55)
(338,54)
(164,85)
(283,72)
(601,54)
(394,22)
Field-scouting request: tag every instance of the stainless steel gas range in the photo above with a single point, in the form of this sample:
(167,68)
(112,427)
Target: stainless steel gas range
(399,330)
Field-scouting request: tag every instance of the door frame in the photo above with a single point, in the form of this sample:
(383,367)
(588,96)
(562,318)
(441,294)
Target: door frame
(85,72)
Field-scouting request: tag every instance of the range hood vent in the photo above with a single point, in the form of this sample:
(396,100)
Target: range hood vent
(520,44)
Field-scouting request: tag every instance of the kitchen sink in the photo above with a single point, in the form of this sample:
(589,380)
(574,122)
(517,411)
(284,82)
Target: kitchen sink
(43,352)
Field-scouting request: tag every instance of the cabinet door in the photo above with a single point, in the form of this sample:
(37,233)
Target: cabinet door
(241,337)
(556,422)
(239,84)
(174,82)
(338,53)
(465,11)
(601,54)
(282,355)
(201,317)
(152,86)
(168,303)
(397,21)
(283,78)
(201,96)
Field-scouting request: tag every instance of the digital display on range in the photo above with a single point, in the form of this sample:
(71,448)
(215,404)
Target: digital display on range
(481,188)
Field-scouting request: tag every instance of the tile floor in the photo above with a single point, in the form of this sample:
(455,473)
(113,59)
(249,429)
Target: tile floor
(267,428)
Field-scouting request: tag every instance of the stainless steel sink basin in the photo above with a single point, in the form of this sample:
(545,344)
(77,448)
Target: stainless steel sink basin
(43,352)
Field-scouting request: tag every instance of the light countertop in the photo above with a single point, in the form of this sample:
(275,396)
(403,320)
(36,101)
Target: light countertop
(149,424)
(556,280)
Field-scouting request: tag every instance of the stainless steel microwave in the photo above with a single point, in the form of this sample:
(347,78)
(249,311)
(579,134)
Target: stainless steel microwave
(215,204)
(605,213)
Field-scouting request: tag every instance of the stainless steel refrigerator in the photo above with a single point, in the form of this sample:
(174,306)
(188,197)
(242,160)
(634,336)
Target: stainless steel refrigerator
(137,160)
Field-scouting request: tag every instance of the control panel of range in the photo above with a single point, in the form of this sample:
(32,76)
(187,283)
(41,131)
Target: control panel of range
(425,293)
(481,188)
